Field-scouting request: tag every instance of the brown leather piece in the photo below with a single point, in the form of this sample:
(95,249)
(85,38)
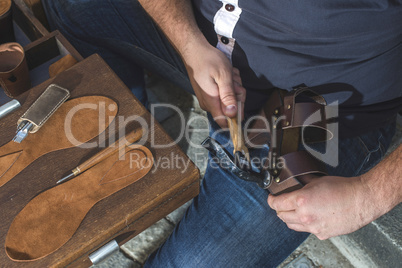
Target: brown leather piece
(295,116)
(6,22)
(49,220)
(5,6)
(300,163)
(14,73)
(298,168)
(86,124)
(61,65)
(259,132)
(45,105)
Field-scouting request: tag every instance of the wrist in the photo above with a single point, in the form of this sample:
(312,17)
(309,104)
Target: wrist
(377,199)
(192,47)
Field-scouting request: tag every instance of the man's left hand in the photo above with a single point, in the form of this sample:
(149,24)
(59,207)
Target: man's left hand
(326,207)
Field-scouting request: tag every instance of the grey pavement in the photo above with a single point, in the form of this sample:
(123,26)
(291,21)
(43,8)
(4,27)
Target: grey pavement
(355,250)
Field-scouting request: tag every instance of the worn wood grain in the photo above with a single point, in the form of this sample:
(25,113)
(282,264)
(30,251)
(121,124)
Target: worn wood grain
(130,210)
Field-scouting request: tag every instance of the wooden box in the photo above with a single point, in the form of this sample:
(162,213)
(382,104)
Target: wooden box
(37,9)
(47,50)
(27,27)
(119,216)
(41,47)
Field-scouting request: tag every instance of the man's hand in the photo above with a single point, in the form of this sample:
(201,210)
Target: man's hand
(216,83)
(326,206)
(331,206)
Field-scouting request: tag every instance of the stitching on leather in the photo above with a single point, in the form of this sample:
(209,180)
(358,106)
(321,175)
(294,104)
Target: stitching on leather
(56,107)
(51,112)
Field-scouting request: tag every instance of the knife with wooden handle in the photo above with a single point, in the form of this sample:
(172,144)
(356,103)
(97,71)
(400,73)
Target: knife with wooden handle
(240,151)
(105,153)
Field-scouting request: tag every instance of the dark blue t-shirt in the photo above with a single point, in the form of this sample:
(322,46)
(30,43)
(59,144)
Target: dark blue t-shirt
(349,51)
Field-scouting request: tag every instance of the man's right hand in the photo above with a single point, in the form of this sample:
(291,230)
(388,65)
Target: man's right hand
(216,83)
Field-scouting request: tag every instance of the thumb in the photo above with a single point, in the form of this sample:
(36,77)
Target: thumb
(228,99)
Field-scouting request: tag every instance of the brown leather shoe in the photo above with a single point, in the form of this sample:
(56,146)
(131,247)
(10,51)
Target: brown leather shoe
(6,22)
(14,74)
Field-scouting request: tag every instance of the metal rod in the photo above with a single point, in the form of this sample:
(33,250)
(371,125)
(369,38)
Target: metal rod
(9,107)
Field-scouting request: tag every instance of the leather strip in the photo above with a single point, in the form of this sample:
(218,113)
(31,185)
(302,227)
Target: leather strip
(300,163)
(44,106)
(288,118)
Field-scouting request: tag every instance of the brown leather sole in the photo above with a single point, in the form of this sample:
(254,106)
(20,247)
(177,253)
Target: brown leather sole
(86,124)
(51,218)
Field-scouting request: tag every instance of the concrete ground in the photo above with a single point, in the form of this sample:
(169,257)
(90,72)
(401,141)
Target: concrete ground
(338,252)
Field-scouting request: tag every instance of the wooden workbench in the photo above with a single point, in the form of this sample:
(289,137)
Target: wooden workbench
(120,216)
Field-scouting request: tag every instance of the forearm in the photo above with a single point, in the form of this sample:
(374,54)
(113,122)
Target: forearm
(385,182)
(210,71)
(177,21)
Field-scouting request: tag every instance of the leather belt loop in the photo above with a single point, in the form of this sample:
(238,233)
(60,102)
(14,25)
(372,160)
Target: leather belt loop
(293,113)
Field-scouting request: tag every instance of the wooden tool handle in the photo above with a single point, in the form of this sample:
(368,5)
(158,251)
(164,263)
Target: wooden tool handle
(115,147)
(237,138)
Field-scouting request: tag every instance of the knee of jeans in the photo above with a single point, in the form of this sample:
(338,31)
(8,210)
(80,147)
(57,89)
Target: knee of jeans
(72,14)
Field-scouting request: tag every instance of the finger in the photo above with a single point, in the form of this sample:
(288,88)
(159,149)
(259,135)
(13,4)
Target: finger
(240,92)
(298,227)
(215,108)
(289,217)
(227,96)
(237,77)
(241,98)
(212,104)
(236,71)
(283,202)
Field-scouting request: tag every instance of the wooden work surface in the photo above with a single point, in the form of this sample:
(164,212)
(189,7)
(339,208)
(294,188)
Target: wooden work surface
(123,214)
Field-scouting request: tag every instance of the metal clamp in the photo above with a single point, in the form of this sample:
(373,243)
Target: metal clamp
(227,163)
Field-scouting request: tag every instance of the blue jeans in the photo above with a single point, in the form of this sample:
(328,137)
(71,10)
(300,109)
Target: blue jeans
(229,224)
